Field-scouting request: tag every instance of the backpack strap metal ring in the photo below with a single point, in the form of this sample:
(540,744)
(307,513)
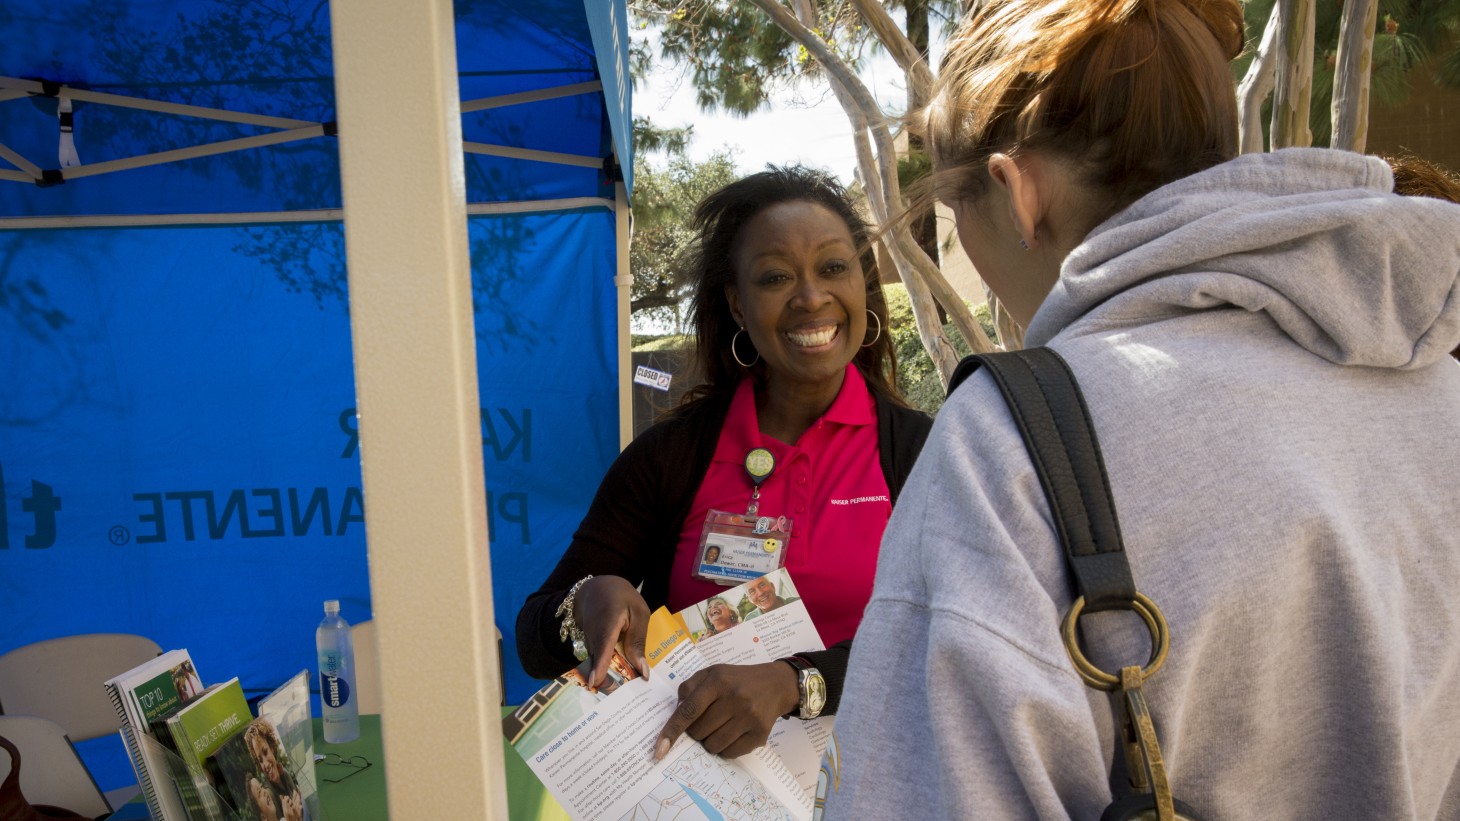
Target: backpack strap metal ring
(1094,676)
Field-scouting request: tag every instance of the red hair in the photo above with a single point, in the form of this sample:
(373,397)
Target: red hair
(1133,93)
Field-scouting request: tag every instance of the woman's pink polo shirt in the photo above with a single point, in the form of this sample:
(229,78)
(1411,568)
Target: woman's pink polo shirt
(829,483)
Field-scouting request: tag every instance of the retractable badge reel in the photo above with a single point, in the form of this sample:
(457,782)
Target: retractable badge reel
(738,547)
(759,465)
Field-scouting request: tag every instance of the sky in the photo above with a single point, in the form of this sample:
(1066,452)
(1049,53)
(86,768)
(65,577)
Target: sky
(804,125)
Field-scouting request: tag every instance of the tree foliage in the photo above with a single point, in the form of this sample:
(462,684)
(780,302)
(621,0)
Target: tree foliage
(734,62)
(664,201)
(736,58)
(1406,35)
(917,377)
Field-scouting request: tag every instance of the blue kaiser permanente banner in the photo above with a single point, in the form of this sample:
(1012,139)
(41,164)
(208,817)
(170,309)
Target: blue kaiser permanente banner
(178,445)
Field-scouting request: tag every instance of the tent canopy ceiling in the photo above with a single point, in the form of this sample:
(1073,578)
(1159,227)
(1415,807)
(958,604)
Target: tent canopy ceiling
(537,122)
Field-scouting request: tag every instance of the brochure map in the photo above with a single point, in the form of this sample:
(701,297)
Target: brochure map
(594,750)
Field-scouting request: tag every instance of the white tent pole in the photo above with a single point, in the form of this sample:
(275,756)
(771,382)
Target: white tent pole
(530,96)
(403,180)
(624,279)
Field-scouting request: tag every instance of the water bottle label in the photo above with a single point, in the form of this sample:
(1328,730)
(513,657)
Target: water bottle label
(333,690)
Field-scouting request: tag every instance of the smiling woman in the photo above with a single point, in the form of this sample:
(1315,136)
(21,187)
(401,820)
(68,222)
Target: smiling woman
(801,297)
(797,415)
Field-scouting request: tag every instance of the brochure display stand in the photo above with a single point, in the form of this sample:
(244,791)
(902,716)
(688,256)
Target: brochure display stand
(207,802)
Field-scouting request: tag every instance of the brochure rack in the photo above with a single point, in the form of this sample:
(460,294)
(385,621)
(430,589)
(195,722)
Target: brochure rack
(197,799)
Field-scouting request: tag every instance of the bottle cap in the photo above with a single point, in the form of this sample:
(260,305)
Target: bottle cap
(331,607)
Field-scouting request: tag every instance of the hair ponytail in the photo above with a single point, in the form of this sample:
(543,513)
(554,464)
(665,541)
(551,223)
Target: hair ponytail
(1135,93)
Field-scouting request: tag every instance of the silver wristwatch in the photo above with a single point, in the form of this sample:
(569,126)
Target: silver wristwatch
(812,686)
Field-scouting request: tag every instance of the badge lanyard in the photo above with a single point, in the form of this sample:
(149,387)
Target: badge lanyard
(759,465)
(734,547)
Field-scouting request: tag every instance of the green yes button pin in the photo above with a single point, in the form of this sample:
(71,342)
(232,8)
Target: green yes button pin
(759,463)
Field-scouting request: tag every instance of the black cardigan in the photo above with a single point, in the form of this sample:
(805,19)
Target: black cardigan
(632,528)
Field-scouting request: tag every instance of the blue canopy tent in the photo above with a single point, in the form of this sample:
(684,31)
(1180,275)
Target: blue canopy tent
(180,450)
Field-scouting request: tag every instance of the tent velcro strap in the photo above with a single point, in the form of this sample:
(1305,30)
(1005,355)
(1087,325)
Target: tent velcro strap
(51,88)
(50,177)
(612,169)
(331,128)
(1055,424)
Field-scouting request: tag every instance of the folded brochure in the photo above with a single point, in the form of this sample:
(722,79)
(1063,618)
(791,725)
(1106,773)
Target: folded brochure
(593,750)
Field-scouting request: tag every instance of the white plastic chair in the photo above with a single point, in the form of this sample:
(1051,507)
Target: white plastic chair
(63,680)
(50,771)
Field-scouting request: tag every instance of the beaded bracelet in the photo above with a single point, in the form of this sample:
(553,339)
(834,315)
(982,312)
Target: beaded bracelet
(569,629)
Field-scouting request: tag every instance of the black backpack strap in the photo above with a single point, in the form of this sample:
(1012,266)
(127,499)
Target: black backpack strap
(1050,412)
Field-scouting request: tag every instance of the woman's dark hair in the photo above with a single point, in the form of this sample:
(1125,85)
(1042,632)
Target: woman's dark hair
(719,221)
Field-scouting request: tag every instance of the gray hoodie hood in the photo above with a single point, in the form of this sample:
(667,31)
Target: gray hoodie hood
(1265,233)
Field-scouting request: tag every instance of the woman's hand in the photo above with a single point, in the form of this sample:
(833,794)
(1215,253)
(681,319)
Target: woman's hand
(293,807)
(730,708)
(263,800)
(608,609)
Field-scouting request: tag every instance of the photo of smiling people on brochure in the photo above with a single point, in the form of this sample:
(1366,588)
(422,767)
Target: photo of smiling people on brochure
(738,605)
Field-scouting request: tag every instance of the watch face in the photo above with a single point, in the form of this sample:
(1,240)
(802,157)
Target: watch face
(813,689)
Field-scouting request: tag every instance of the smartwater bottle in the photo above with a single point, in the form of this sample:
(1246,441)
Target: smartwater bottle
(337,676)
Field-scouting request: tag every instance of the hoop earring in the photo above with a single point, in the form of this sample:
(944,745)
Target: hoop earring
(878,320)
(742,362)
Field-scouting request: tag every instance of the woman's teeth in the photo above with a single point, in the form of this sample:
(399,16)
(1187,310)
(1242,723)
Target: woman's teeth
(812,339)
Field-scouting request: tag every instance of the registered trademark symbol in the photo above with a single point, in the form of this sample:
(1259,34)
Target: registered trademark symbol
(119,535)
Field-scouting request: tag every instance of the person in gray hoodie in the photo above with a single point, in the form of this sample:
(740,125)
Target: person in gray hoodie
(1263,343)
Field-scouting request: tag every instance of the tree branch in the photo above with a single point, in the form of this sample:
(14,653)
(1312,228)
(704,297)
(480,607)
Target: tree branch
(919,76)
(654,301)
(1292,99)
(1256,85)
(918,272)
(1350,109)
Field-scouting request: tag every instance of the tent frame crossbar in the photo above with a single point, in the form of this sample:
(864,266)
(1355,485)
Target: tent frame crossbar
(35,88)
(292,130)
(532,154)
(267,217)
(504,100)
(205,150)
(20,162)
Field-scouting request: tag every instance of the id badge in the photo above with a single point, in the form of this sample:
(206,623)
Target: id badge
(735,548)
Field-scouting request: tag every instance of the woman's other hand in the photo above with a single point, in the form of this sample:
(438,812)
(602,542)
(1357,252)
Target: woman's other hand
(293,807)
(608,609)
(730,708)
(263,800)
